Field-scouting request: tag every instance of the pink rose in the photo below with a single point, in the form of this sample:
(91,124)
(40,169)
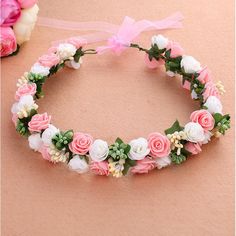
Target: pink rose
(210,90)
(100,168)
(26,89)
(143,166)
(203,118)
(194,148)
(52,49)
(81,143)
(205,76)
(14,119)
(44,150)
(176,49)
(159,145)
(77,42)
(153,63)
(27,3)
(10,12)
(186,85)
(39,122)
(7,41)
(49,60)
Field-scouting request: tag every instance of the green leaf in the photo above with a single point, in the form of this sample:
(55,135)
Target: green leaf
(119,141)
(218,117)
(175,127)
(167,53)
(185,152)
(131,162)
(127,149)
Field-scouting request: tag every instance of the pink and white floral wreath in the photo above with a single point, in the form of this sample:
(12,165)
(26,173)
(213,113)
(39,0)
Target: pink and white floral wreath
(83,153)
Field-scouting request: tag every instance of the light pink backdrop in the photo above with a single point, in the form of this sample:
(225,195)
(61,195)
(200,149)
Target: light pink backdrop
(117,96)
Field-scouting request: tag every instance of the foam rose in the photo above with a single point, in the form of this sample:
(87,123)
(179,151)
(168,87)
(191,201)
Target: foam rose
(39,122)
(100,168)
(204,76)
(194,148)
(7,41)
(26,89)
(49,60)
(210,90)
(176,49)
(143,166)
(27,3)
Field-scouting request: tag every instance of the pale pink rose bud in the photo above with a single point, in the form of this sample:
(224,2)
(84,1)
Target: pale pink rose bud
(77,42)
(176,49)
(100,168)
(26,89)
(186,85)
(205,76)
(39,122)
(26,3)
(44,150)
(210,90)
(49,60)
(7,41)
(153,64)
(194,148)
(143,166)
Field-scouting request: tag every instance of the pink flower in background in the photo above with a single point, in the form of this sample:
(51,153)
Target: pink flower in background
(194,148)
(10,12)
(153,63)
(14,118)
(210,90)
(203,118)
(100,168)
(159,145)
(176,49)
(81,143)
(44,150)
(77,42)
(49,60)
(39,122)
(7,41)
(27,3)
(205,76)
(186,85)
(26,89)
(143,166)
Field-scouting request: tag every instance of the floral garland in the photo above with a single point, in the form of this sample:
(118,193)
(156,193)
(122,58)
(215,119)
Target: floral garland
(18,18)
(82,153)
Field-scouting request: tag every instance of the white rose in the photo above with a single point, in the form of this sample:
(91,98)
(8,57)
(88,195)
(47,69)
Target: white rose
(190,64)
(194,132)
(99,150)
(73,64)
(139,149)
(160,41)
(35,141)
(39,69)
(213,105)
(207,137)
(26,102)
(163,162)
(48,134)
(66,51)
(78,164)
(170,73)
(194,95)
(25,24)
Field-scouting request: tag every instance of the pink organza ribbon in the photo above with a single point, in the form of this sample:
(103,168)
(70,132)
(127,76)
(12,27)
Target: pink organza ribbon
(118,37)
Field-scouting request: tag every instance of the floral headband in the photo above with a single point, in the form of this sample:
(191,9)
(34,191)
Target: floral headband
(80,151)
(17,18)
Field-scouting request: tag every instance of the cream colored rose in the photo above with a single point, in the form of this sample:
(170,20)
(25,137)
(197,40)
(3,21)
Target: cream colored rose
(25,24)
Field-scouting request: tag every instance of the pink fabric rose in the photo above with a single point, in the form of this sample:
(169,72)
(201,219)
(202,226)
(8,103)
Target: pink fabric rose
(49,60)
(205,76)
(159,145)
(7,41)
(186,85)
(52,49)
(10,12)
(27,3)
(153,64)
(210,90)
(39,122)
(203,118)
(194,148)
(143,166)
(81,143)
(176,49)
(100,168)
(26,89)
(44,150)
(77,42)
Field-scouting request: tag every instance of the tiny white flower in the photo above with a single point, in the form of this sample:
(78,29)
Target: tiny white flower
(78,164)
(39,69)
(66,51)
(160,41)
(48,134)
(35,142)
(139,149)
(194,132)
(194,95)
(213,105)
(163,162)
(170,73)
(73,64)
(190,64)
(99,150)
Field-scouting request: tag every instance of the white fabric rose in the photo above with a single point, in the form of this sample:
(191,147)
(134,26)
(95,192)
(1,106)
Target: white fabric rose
(78,164)
(213,105)
(160,41)
(66,51)
(73,64)
(163,162)
(170,73)
(194,95)
(194,132)
(25,24)
(99,150)
(48,134)
(35,142)
(25,102)
(207,137)
(139,149)
(39,69)
(190,64)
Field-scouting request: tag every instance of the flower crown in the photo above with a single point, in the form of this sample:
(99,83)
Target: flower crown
(18,18)
(81,151)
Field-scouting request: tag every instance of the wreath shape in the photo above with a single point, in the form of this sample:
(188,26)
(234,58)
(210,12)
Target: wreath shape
(82,153)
